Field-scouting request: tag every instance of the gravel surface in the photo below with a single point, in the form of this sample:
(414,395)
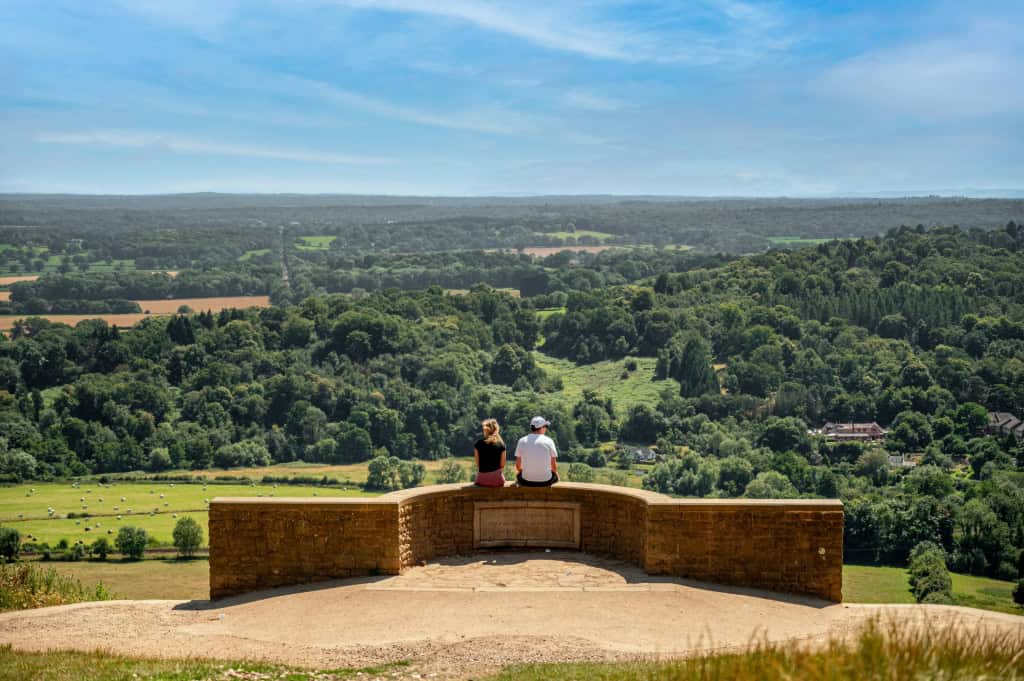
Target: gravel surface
(462,618)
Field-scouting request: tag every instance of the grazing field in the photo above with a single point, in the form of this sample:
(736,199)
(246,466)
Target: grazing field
(171,305)
(143,579)
(316,243)
(544,251)
(639,387)
(350,473)
(149,505)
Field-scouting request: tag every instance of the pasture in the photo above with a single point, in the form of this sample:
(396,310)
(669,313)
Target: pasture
(315,243)
(579,233)
(606,378)
(153,506)
(795,241)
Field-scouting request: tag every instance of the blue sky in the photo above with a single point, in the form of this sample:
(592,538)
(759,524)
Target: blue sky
(465,97)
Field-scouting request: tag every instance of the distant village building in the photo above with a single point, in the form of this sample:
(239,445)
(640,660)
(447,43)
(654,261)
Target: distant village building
(1004,423)
(853,432)
(644,455)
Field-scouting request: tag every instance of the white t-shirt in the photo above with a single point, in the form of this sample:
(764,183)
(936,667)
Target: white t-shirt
(535,451)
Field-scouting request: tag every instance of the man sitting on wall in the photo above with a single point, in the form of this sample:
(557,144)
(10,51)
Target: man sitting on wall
(536,456)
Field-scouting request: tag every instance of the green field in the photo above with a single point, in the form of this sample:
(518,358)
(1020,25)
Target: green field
(606,379)
(796,241)
(316,243)
(600,236)
(249,255)
(873,584)
(148,510)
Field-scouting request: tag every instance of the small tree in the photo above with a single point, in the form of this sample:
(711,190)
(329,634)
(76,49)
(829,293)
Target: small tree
(411,474)
(131,542)
(100,548)
(77,552)
(580,472)
(188,535)
(929,578)
(10,543)
(450,472)
(1018,593)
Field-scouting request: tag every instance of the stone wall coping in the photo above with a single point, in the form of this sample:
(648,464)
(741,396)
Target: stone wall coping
(303,501)
(498,494)
(748,503)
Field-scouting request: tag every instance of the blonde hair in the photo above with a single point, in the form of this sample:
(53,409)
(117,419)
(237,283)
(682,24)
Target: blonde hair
(492,433)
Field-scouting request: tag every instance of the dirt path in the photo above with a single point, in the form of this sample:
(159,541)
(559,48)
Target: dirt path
(462,617)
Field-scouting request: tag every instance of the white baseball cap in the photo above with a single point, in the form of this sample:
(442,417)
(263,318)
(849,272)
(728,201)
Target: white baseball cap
(538,422)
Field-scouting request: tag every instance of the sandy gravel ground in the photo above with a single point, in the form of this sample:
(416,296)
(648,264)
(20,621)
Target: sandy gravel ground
(465,617)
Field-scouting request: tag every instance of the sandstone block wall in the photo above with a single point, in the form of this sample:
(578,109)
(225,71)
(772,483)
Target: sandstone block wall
(789,546)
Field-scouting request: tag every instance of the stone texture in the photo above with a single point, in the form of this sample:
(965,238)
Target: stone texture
(788,546)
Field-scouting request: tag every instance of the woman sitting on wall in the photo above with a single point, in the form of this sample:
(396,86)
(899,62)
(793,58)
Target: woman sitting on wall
(490,456)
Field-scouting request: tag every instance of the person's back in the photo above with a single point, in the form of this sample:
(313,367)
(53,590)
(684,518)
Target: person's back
(535,456)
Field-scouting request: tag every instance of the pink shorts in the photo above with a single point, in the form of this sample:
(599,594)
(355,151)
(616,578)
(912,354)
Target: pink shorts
(492,479)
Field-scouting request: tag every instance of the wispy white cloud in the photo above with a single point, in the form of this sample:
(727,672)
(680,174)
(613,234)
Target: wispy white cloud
(488,119)
(192,145)
(581,29)
(943,78)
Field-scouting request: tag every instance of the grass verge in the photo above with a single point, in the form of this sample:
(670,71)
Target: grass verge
(30,585)
(880,653)
(100,666)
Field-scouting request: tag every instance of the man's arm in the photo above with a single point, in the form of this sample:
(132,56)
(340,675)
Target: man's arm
(554,458)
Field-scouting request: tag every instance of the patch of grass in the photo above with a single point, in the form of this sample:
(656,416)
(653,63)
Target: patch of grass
(30,585)
(985,593)
(639,387)
(315,243)
(880,584)
(143,579)
(890,651)
(876,584)
(249,255)
(796,241)
(547,312)
(593,234)
(102,666)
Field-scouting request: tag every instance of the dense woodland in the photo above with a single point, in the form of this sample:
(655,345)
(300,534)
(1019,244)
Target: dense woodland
(920,329)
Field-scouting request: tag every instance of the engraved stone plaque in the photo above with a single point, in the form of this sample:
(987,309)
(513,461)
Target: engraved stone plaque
(526,523)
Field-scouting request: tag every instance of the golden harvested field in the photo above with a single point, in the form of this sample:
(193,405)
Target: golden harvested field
(514,292)
(7,281)
(156,308)
(171,305)
(121,320)
(5,296)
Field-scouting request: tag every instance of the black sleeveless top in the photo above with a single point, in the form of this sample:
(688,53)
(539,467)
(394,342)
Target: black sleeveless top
(490,455)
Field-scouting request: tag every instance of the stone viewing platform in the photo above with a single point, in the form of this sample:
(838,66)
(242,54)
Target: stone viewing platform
(791,546)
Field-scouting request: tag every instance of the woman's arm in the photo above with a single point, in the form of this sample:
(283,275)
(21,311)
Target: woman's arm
(504,455)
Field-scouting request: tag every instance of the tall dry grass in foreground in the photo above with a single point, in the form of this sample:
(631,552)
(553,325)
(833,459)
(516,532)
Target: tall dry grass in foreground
(28,585)
(890,652)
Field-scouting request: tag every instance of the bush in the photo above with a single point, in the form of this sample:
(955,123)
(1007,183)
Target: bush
(10,543)
(929,577)
(580,472)
(451,472)
(1018,593)
(100,548)
(131,542)
(188,536)
(618,478)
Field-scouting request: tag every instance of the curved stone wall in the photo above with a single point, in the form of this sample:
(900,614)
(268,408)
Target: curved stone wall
(790,546)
